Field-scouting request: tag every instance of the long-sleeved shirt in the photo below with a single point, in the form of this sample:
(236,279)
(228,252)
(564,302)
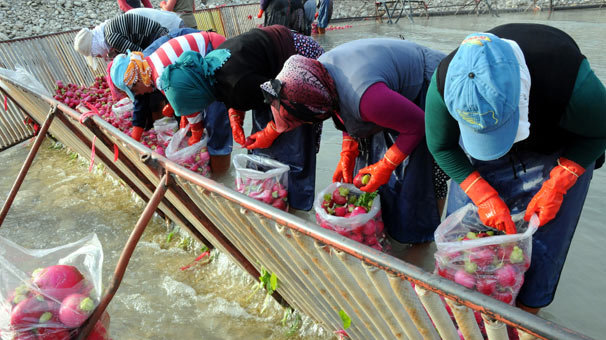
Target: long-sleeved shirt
(131,32)
(584,118)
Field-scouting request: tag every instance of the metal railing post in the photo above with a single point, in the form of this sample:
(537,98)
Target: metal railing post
(127,252)
(27,164)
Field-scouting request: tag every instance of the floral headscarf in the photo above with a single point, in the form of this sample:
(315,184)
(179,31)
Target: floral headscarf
(305,91)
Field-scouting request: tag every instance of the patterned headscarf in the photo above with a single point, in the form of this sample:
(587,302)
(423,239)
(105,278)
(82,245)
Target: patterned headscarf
(305,90)
(137,69)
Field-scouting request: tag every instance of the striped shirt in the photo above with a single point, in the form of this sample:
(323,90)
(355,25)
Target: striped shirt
(201,42)
(131,32)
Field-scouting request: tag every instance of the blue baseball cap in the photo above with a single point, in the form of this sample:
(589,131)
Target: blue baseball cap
(119,65)
(482,92)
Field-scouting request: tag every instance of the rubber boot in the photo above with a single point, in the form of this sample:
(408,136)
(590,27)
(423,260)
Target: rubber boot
(197,130)
(321,30)
(183,123)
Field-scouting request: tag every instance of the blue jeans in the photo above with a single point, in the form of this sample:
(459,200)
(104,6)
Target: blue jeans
(517,177)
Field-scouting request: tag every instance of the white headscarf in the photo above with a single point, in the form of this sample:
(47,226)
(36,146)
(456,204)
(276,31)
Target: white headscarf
(524,125)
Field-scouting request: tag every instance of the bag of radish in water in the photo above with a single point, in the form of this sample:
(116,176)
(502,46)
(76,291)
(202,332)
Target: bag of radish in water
(48,293)
(263,179)
(481,258)
(352,213)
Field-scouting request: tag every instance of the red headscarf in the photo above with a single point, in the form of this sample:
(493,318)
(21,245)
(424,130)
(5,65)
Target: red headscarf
(305,92)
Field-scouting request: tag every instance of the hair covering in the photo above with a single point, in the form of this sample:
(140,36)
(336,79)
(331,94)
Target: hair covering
(188,83)
(482,92)
(91,44)
(129,68)
(305,91)
(116,95)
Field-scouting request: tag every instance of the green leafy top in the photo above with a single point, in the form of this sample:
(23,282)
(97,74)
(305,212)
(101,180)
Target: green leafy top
(345,319)
(365,200)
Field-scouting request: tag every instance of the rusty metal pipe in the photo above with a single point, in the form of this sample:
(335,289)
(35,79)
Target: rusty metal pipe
(27,164)
(127,252)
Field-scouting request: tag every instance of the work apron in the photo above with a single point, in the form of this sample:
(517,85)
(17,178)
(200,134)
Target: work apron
(297,149)
(408,201)
(517,177)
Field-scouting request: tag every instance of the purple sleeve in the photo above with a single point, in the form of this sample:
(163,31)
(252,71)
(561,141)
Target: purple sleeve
(389,109)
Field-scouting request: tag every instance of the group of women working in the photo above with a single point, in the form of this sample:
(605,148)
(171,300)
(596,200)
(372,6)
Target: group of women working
(515,116)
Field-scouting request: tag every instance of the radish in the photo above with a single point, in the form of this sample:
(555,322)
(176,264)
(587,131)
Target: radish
(75,309)
(28,312)
(504,296)
(99,332)
(465,279)
(52,334)
(486,286)
(506,276)
(339,195)
(58,281)
(369,228)
(482,256)
(340,211)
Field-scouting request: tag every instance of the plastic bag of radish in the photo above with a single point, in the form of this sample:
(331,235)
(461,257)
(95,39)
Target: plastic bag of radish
(263,179)
(194,157)
(165,129)
(352,213)
(49,293)
(482,258)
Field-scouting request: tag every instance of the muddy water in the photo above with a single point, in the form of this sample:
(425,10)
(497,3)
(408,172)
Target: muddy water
(60,202)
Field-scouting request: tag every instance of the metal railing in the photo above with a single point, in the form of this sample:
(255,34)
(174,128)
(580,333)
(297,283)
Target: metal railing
(320,272)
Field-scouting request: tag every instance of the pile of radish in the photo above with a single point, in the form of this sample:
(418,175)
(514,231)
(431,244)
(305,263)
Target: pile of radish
(98,98)
(51,305)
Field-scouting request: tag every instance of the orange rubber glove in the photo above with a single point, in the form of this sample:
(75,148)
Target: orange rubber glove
(183,122)
(491,208)
(137,133)
(260,14)
(264,138)
(197,130)
(236,120)
(345,167)
(546,203)
(381,170)
(316,16)
(167,111)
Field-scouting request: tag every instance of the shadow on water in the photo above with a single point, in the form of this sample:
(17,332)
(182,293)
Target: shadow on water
(60,202)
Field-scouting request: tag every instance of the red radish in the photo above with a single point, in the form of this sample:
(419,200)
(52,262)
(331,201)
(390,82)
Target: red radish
(356,237)
(339,195)
(465,279)
(504,296)
(98,333)
(75,309)
(486,285)
(58,281)
(340,211)
(482,256)
(371,239)
(52,334)
(506,276)
(28,312)
(504,251)
(361,180)
(380,227)
(25,335)
(358,211)
(280,204)
(369,228)
(446,272)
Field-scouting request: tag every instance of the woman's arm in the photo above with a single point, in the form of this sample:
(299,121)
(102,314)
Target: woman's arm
(442,133)
(389,109)
(168,5)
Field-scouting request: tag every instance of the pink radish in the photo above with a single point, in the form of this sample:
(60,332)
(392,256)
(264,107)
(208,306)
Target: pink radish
(75,309)
(58,281)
